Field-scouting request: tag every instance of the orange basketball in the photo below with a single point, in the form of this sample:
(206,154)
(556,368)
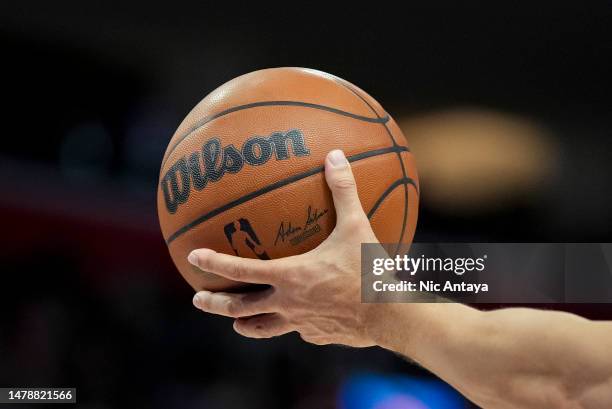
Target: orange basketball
(243,173)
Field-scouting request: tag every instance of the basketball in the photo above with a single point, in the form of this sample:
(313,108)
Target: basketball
(244,172)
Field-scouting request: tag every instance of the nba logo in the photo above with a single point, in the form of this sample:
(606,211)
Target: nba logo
(243,239)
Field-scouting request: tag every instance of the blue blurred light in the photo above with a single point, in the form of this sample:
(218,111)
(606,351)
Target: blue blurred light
(372,391)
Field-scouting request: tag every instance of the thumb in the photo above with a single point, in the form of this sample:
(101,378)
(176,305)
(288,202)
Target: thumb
(341,182)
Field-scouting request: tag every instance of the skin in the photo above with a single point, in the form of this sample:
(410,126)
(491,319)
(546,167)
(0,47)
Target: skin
(509,358)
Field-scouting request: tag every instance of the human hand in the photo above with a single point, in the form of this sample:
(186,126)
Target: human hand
(317,293)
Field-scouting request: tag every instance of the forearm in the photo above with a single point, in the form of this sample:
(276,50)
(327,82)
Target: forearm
(515,357)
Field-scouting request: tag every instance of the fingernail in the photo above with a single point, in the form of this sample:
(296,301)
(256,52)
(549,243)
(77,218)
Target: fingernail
(337,158)
(196,300)
(193,258)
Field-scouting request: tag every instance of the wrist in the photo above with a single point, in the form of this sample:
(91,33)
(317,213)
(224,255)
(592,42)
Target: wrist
(385,323)
(411,328)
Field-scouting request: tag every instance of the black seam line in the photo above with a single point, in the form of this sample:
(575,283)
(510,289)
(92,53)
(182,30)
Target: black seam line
(399,182)
(274,186)
(406,209)
(204,121)
(350,87)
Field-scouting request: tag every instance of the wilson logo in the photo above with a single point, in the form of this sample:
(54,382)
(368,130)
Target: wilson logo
(213,161)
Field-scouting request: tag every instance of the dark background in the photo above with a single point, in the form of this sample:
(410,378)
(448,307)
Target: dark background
(92,94)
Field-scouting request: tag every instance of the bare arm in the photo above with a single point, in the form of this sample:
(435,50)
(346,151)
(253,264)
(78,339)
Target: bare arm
(512,358)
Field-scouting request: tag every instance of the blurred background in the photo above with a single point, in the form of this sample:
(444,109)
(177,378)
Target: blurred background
(506,106)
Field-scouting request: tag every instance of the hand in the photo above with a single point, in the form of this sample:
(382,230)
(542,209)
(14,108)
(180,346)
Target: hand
(317,293)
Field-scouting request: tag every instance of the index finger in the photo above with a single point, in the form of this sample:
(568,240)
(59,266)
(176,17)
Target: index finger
(234,268)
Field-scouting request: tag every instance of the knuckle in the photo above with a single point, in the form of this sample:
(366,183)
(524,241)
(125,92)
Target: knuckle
(355,221)
(274,272)
(206,262)
(294,277)
(238,271)
(313,339)
(233,307)
(355,224)
(344,183)
(295,282)
(305,337)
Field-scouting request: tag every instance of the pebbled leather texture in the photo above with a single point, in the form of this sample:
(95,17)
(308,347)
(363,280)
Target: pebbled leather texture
(277,203)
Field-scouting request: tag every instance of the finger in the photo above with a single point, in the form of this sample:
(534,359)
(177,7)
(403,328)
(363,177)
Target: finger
(262,326)
(341,182)
(235,305)
(234,268)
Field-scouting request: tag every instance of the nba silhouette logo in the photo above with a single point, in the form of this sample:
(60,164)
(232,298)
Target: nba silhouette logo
(243,239)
